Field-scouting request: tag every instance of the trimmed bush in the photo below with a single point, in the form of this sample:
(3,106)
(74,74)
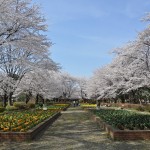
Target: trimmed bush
(1,104)
(20,105)
(10,108)
(21,97)
(31,105)
(2,109)
(39,105)
(147,108)
(140,108)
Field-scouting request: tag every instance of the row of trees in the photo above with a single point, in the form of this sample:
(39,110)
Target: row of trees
(127,76)
(24,49)
(26,66)
(25,63)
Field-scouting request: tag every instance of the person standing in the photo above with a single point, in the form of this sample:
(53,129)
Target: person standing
(74,103)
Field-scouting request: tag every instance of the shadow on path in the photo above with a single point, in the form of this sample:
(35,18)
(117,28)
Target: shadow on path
(74,130)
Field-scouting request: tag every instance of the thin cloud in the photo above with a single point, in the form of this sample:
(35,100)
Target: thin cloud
(74,10)
(135,12)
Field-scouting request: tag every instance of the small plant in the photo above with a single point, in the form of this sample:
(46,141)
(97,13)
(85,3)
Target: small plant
(2,109)
(31,105)
(20,105)
(147,108)
(1,104)
(39,105)
(21,97)
(10,108)
(140,108)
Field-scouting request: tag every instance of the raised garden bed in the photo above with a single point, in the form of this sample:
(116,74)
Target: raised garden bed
(24,125)
(22,135)
(124,126)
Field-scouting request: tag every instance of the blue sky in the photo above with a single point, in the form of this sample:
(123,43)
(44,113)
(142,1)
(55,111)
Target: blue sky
(85,31)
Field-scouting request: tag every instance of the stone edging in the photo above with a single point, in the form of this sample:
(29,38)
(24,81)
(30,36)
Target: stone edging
(116,134)
(30,134)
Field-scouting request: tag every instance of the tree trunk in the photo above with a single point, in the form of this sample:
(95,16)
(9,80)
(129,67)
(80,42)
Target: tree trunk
(43,100)
(98,104)
(115,100)
(5,99)
(28,96)
(10,98)
(37,99)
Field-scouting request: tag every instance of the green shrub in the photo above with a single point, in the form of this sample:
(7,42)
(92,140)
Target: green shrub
(140,108)
(1,104)
(39,105)
(92,101)
(21,97)
(2,109)
(147,108)
(31,105)
(20,105)
(10,108)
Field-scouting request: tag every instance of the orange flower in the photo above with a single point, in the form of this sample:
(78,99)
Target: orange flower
(6,129)
(19,127)
(20,120)
(26,123)
(14,129)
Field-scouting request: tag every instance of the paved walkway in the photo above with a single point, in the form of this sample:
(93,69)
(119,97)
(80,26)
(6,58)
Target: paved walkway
(73,130)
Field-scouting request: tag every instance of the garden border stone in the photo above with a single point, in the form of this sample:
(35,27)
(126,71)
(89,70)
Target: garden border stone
(31,133)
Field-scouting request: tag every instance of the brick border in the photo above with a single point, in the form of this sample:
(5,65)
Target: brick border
(30,134)
(116,134)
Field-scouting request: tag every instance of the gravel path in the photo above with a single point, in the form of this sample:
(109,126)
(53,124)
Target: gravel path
(73,130)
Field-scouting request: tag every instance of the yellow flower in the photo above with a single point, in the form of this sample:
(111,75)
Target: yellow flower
(26,123)
(22,130)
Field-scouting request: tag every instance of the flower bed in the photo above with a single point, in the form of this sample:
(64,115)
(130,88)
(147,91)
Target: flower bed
(86,105)
(123,119)
(22,121)
(25,125)
(122,124)
(58,106)
(30,134)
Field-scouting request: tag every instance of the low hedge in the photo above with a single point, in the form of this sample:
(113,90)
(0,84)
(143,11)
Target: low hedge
(20,105)
(2,109)
(11,108)
(30,105)
(1,104)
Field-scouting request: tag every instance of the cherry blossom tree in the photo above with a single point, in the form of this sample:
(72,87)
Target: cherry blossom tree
(68,85)
(129,73)
(82,84)
(23,46)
